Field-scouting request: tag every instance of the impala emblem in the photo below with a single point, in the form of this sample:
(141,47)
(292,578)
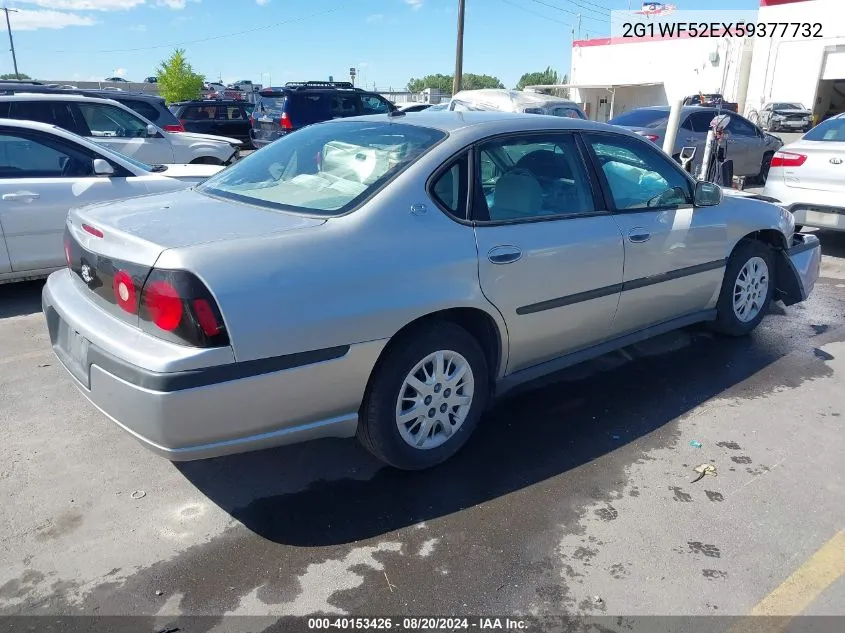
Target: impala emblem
(836,161)
(86,273)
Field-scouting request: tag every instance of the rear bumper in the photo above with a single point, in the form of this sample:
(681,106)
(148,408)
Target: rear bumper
(810,207)
(798,268)
(211,410)
(260,138)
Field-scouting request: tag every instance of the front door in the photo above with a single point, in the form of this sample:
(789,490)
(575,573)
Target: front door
(550,257)
(674,254)
(123,131)
(40,179)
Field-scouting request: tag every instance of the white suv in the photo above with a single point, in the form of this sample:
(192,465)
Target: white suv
(116,127)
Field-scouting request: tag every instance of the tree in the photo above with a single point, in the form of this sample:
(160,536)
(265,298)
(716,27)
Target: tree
(14,76)
(477,82)
(544,78)
(443,83)
(177,80)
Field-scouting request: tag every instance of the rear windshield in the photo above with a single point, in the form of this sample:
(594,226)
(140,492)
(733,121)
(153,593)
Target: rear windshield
(572,113)
(830,130)
(324,169)
(272,103)
(642,118)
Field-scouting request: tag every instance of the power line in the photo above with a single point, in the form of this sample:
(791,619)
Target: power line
(198,41)
(607,18)
(537,13)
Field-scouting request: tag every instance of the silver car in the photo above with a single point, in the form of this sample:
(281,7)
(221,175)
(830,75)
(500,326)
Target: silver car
(808,176)
(388,276)
(750,148)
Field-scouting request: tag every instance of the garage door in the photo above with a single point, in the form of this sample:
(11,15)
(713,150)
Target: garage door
(834,65)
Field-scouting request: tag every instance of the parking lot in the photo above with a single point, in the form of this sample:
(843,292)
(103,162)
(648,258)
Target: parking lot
(572,498)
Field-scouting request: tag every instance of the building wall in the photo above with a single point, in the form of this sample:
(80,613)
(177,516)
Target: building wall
(662,68)
(788,68)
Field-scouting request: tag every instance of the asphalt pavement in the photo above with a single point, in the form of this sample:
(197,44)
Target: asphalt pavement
(576,497)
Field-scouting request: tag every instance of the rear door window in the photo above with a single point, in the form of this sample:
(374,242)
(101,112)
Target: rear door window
(195,113)
(107,121)
(345,105)
(52,112)
(698,122)
(309,107)
(570,113)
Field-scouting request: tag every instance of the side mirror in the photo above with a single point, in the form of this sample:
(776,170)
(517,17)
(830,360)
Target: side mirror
(102,167)
(152,130)
(707,194)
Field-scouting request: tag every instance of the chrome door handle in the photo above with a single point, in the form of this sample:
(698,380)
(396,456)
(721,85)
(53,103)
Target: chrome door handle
(504,254)
(21,195)
(638,236)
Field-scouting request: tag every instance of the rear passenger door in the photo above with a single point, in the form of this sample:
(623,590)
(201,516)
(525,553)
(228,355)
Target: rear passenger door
(550,256)
(745,146)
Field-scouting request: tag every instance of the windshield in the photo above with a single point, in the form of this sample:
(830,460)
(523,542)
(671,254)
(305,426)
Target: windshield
(324,169)
(830,130)
(642,118)
(788,106)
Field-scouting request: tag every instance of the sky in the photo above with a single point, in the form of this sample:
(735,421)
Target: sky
(274,41)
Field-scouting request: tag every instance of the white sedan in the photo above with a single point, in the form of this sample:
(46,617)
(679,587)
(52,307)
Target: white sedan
(808,176)
(45,171)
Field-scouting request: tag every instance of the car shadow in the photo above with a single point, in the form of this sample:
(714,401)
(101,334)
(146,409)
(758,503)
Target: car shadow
(20,298)
(332,492)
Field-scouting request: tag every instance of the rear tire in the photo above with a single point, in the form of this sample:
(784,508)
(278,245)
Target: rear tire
(413,416)
(746,289)
(765,165)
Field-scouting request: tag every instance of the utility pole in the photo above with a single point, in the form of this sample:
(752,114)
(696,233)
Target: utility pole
(459,52)
(11,41)
(579,25)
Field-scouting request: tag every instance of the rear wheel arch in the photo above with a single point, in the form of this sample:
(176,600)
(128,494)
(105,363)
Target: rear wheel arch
(481,325)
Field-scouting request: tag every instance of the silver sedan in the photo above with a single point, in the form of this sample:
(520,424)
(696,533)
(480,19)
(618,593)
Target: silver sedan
(388,276)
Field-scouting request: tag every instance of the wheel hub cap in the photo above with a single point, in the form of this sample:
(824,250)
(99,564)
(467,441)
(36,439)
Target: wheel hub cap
(435,399)
(751,289)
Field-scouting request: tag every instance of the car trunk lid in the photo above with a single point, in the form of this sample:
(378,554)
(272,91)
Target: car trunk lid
(110,242)
(818,165)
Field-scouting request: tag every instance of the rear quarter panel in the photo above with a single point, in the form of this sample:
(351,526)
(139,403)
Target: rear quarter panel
(356,278)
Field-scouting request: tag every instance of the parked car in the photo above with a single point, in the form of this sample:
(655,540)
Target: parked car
(214,116)
(245,85)
(233,93)
(279,111)
(515,101)
(750,148)
(808,176)
(151,107)
(711,100)
(413,107)
(117,80)
(113,125)
(438,107)
(361,277)
(788,117)
(151,80)
(44,171)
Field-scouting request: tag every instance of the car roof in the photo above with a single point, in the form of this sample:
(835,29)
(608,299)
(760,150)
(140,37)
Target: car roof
(688,108)
(211,102)
(487,121)
(49,96)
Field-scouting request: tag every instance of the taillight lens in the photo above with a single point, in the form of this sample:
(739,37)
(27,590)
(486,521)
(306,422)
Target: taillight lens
(653,138)
(285,122)
(125,294)
(788,159)
(176,305)
(175,128)
(251,120)
(92,230)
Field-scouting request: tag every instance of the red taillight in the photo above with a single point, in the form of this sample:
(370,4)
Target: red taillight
(175,128)
(284,121)
(653,138)
(175,305)
(206,318)
(251,120)
(90,229)
(164,305)
(124,291)
(788,159)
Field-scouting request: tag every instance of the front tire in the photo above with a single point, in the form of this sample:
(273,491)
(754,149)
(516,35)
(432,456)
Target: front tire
(746,289)
(206,160)
(425,398)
